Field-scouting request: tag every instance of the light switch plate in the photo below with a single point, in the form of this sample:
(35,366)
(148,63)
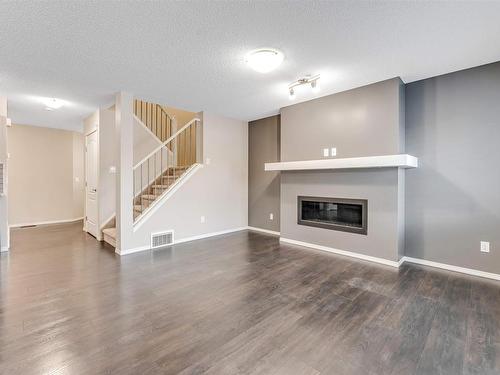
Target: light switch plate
(485,247)
(202,219)
(326,152)
(271,216)
(333,151)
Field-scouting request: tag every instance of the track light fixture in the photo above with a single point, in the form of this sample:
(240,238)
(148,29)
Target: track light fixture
(311,80)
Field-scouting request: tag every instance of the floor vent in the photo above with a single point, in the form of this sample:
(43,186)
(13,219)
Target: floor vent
(162,239)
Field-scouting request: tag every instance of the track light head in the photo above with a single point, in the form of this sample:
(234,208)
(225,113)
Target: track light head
(311,80)
(315,86)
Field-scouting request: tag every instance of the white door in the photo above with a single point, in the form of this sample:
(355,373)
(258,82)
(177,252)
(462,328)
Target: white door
(91,164)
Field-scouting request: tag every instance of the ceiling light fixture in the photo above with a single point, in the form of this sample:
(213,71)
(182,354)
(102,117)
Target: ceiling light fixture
(52,103)
(264,60)
(311,80)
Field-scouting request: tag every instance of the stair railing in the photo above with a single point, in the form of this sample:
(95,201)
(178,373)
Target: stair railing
(155,118)
(156,172)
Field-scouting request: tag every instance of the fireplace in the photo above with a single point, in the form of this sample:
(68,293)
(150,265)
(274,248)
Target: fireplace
(347,215)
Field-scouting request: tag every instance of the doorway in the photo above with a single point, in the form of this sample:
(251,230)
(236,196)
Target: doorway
(91,165)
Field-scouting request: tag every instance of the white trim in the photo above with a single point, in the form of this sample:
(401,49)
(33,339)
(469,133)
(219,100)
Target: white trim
(46,222)
(206,235)
(131,251)
(342,252)
(383,161)
(4,249)
(187,239)
(449,267)
(267,231)
(150,210)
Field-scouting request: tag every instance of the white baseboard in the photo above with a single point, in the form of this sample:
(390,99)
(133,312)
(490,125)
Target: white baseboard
(449,267)
(274,233)
(132,251)
(405,259)
(342,252)
(46,222)
(206,235)
(182,240)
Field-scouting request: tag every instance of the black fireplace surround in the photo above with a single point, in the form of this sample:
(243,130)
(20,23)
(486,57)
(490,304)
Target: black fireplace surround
(346,215)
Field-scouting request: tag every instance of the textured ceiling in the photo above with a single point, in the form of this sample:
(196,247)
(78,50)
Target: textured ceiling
(190,54)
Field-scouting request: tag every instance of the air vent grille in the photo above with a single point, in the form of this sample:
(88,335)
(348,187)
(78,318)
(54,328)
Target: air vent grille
(162,239)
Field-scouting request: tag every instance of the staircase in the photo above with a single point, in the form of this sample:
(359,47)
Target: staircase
(165,166)
(156,189)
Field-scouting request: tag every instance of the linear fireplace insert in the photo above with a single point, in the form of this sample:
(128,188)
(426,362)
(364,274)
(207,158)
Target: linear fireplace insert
(347,215)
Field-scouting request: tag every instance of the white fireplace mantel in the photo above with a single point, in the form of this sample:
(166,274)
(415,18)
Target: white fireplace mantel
(384,161)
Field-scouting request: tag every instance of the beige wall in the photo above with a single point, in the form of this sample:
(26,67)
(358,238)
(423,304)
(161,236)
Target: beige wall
(78,174)
(4,226)
(46,179)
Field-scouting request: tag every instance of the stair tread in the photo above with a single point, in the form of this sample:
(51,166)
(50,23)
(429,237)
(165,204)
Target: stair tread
(161,186)
(111,232)
(149,196)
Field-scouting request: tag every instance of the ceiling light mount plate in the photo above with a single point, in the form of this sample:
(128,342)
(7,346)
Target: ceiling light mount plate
(264,60)
(52,103)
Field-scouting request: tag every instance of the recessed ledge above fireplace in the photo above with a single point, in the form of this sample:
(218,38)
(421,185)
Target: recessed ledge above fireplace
(384,161)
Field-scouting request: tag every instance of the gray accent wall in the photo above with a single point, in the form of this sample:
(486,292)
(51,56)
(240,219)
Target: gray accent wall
(263,187)
(453,198)
(378,186)
(365,121)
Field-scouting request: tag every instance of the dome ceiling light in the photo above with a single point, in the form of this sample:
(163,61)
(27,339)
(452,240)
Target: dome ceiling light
(264,60)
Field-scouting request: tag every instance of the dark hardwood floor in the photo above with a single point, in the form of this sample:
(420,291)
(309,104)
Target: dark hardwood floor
(234,304)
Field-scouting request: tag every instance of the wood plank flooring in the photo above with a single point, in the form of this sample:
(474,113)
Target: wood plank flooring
(235,304)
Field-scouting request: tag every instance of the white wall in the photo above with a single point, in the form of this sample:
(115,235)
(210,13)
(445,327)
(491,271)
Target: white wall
(218,191)
(107,159)
(103,121)
(144,142)
(44,167)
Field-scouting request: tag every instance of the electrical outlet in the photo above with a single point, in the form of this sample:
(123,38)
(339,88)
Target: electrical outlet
(326,152)
(334,151)
(202,219)
(112,169)
(207,161)
(485,247)
(271,216)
